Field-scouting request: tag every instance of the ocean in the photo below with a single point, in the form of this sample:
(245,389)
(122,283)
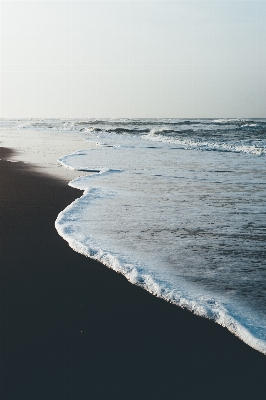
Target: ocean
(178,207)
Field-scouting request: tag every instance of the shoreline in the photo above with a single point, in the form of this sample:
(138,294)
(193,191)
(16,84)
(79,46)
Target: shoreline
(71,327)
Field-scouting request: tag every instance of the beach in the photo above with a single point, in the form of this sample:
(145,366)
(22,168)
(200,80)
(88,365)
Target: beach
(133,200)
(71,328)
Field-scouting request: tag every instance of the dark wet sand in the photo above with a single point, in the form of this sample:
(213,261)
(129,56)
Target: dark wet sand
(73,329)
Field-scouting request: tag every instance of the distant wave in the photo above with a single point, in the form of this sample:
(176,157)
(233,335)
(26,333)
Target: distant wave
(224,135)
(63,124)
(252,147)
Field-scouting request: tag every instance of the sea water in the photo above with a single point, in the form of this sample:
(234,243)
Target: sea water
(178,207)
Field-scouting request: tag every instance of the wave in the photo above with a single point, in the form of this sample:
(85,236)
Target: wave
(64,124)
(245,146)
(223,135)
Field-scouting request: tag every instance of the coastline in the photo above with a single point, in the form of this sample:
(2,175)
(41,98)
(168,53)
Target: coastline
(71,328)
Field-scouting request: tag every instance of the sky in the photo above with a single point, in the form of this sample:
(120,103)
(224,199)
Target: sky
(133,59)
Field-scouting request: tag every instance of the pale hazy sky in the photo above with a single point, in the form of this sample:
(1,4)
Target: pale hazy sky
(133,58)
